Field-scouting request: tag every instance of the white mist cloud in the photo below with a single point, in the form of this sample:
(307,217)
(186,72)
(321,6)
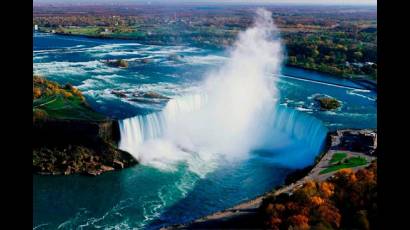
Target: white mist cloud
(239,91)
(226,119)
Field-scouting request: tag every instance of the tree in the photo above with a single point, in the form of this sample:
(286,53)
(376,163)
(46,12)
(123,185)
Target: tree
(346,201)
(326,189)
(358,55)
(299,222)
(36,92)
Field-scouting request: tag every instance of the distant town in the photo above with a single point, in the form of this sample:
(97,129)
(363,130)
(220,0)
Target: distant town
(331,39)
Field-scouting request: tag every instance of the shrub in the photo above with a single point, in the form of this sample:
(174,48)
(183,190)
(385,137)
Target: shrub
(299,222)
(39,114)
(76,92)
(326,188)
(38,79)
(67,94)
(68,86)
(36,92)
(49,92)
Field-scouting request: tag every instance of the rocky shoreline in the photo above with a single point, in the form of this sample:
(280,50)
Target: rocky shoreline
(69,136)
(64,147)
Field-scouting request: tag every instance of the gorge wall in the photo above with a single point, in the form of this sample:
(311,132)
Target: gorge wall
(77,146)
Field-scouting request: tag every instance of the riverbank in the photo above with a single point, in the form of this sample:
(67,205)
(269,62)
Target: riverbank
(207,45)
(69,136)
(355,143)
(65,147)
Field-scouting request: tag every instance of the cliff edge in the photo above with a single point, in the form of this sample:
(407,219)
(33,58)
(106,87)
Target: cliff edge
(69,136)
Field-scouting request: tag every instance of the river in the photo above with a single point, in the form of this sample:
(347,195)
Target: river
(146,196)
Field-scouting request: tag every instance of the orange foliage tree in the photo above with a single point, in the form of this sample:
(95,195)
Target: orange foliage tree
(347,201)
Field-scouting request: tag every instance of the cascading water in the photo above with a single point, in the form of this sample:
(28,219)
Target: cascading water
(284,129)
(234,113)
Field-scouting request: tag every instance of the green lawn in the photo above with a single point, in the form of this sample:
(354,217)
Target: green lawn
(123,32)
(64,108)
(347,163)
(55,101)
(89,30)
(338,156)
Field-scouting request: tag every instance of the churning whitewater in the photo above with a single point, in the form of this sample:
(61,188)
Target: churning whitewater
(234,112)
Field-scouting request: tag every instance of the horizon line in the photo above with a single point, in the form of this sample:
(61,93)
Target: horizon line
(161,2)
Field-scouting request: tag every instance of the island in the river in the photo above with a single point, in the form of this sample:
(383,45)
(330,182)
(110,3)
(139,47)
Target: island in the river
(121,63)
(69,136)
(327,103)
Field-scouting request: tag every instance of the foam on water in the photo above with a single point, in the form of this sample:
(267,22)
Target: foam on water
(72,68)
(207,60)
(358,93)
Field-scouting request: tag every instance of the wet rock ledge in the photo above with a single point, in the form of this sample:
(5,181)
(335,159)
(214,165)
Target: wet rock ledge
(64,147)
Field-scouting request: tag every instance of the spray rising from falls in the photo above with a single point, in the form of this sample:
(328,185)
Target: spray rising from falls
(234,112)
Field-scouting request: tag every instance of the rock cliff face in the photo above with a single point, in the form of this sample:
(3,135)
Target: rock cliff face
(58,131)
(76,146)
(69,136)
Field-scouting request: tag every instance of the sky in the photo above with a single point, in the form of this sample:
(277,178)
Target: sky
(327,2)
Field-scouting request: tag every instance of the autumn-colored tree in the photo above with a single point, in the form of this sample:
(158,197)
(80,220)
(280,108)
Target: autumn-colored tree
(76,91)
(308,190)
(36,92)
(39,114)
(317,201)
(38,79)
(329,214)
(67,94)
(274,223)
(355,194)
(299,222)
(347,201)
(326,189)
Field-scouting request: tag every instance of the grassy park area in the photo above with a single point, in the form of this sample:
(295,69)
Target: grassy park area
(50,100)
(342,163)
(338,156)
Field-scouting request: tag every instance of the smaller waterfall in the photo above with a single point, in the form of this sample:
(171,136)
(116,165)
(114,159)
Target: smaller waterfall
(139,129)
(294,136)
(136,130)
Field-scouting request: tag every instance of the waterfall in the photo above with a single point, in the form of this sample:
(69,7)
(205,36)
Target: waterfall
(294,136)
(136,130)
(139,129)
(233,113)
(285,129)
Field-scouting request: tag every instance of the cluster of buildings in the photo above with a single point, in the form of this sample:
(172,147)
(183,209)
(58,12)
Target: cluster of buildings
(363,140)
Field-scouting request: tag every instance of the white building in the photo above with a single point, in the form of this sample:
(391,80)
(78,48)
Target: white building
(35,27)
